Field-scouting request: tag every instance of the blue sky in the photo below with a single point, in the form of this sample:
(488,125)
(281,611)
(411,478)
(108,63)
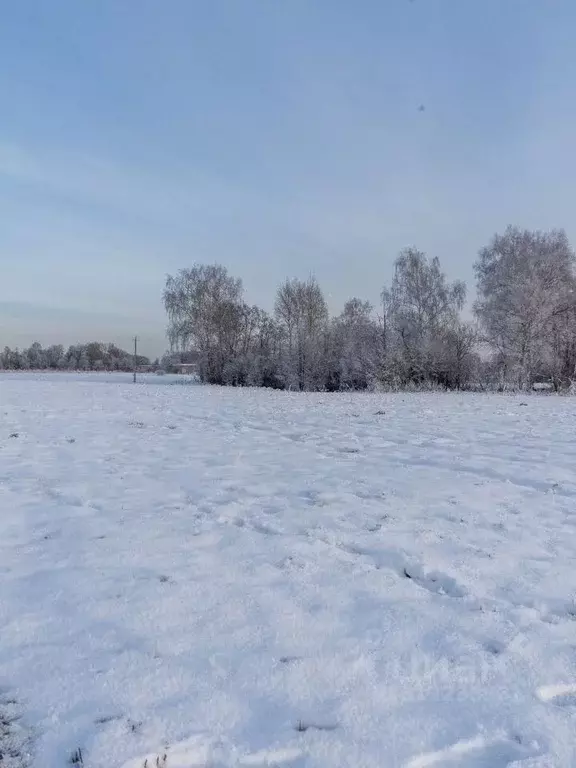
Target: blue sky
(278,137)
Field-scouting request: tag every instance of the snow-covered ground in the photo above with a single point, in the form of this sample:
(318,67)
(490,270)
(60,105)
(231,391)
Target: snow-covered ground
(194,576)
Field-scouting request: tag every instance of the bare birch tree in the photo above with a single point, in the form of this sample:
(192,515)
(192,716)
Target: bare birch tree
(526,293)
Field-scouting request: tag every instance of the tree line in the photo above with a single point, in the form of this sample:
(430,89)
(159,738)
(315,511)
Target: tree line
(93,356)
(523,328)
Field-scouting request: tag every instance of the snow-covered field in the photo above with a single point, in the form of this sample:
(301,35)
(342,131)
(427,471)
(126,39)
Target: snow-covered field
(194,576)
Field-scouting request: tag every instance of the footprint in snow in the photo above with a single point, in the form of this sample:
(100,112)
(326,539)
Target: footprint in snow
(435,581)
(494,647)
(199,751)
(310,497)
(560,694)
(291,563)
(478,752)
(105,719)
(303,725)
(265,529)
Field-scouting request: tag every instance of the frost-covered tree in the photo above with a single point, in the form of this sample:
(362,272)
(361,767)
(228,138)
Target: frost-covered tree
(19,360)
(526,311)
(354,347)
(526,301)
(92,356)
(302,313)
(35,356)
(95,353)
(54,355)
(267,352)
(559,359)
(83,361)
(205,310)
(460,361)
(419,307)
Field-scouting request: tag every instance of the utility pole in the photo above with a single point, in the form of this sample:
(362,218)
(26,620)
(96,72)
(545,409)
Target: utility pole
(135,356)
